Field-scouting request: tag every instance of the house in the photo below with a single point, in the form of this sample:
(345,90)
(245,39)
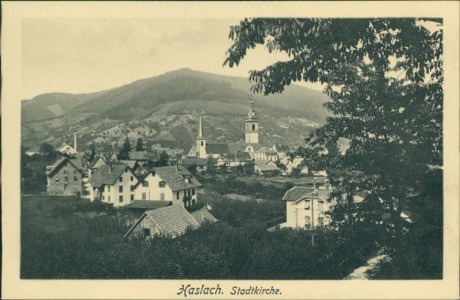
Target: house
(171,221)
(306,207)
(113,183)
(199,164)
(265,153)
(173,183)
(266,168)
(64,177)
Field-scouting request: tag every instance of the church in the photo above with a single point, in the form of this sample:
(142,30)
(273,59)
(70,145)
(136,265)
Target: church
(238,153)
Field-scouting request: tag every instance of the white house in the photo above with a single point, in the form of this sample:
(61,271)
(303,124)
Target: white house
(113,183)
(306,207)
(173,183)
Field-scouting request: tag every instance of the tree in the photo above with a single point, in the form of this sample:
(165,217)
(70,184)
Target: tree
(48,151)
(384,78)
(125,150)
(140,145)
(163,159)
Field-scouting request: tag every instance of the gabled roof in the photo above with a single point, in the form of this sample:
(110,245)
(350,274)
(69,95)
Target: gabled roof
(300,192)
(131,163)
(171,221)
(218,149)
(107,174)
(175,177)
(297,192)
(259,162)
(148,204)
(243,156)
(96,159)
(50,170)
(203,216)
(194,161)
(267,168)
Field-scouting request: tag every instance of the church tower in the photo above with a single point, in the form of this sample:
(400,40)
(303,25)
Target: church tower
(201,142)
(252,126)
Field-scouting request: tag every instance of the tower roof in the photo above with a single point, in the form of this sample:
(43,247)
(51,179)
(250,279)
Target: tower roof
(200,129)
(252,112)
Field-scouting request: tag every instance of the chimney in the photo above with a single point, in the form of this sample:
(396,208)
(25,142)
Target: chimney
(75,142)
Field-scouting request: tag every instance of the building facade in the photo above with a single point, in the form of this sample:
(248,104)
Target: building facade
(64,178)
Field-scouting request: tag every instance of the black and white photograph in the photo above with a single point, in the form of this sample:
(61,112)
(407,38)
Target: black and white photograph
(247,155)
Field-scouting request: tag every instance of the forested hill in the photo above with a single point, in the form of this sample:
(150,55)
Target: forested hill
(143,97)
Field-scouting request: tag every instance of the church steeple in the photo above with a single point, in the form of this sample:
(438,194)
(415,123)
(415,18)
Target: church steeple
(201,141)
(200,129)
(252,125)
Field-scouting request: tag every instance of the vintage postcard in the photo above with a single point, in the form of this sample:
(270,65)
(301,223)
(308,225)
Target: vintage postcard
(230,150)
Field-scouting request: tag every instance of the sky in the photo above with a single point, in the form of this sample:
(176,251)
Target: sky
(76,55)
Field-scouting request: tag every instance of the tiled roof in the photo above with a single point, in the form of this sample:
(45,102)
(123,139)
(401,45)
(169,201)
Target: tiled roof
(172,220)
(96,158)
(148,204)
(297,192)
(130,163)
(218,149)
(203,216)
(175,177)
(194,161)
(243,156)
(50,170)
(107,174)
(267,168)
(259,162)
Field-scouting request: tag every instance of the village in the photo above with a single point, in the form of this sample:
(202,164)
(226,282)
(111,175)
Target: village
(169,194)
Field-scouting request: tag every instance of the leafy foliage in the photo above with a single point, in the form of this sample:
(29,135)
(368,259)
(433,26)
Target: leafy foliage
(384,77)
(80,245)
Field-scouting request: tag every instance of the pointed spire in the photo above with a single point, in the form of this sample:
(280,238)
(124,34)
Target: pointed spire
(200,129)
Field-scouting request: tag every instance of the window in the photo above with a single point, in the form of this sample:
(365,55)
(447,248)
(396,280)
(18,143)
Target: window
(177,195)
(75,178)
(193,191)
(144,196)
(202,143)
(66,171)
(307,204)
(145,183)
(162,196)
(120,179)
(65,187)
(126,170)
(75,171)
(66,179)
(103,198)
(132,178)
(162,184)
(57,179)
(132,188)
(109,198)
(108,188)
(120,189)
(132,197)
(146,232)
(120,199)
(254,127)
